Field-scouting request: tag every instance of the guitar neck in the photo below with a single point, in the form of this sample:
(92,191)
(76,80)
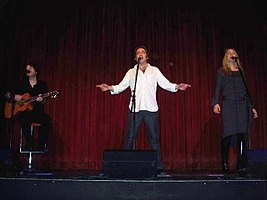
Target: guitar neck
(35,97)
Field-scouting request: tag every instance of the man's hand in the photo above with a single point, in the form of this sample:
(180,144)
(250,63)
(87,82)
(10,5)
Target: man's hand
(182,86)
(104,87)
(39,98)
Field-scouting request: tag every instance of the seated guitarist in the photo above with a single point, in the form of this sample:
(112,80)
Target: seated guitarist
(31,86)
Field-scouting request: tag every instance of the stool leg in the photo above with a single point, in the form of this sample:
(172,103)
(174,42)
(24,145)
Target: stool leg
(29,169)
(31,137)
(30,161)
(20,141)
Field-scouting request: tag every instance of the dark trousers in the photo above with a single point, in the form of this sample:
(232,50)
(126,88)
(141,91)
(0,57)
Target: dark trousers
(26,118)
(151,121)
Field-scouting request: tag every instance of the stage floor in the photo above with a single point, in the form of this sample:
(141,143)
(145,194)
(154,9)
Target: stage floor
(88,184)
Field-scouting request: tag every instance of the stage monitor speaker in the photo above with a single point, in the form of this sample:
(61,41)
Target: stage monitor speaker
(130,163)
(9,163)
(257,163)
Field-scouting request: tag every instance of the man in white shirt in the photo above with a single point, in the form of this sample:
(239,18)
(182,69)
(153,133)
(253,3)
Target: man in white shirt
(143,105)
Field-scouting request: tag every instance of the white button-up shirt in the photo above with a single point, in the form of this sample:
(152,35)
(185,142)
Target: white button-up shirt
(146,87)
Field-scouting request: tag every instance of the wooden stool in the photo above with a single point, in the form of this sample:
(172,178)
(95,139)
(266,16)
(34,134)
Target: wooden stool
(32,151)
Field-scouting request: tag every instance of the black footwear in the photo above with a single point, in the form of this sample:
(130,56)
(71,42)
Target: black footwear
(28,147)
(159,170)
(162,173)
(242,173)
(44,149)
(225,146)
(225,169)
(229,175)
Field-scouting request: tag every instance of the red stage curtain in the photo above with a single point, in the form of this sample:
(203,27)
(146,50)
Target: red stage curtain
(79,44)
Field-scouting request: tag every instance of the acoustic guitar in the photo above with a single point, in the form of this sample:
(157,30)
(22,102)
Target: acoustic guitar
(25,103)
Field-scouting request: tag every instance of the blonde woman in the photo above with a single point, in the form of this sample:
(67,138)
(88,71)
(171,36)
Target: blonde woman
(236,108)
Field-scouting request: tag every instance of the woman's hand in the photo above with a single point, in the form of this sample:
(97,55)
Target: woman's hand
(255,114)
(217,109)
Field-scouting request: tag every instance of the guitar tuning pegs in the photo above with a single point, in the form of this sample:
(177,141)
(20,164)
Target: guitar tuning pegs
(54,94)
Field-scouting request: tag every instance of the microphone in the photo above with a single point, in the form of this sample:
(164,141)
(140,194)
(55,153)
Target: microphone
(27,71)
(234,58)
(139,59)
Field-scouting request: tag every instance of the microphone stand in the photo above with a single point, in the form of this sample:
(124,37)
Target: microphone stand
(10,99)
(249,106)
(133,106)
(11,122)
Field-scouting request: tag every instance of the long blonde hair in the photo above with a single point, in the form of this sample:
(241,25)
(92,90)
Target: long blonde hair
(226,64)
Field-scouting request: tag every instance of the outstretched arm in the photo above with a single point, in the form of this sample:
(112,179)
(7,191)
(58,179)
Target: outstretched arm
(182,86)
(105,87)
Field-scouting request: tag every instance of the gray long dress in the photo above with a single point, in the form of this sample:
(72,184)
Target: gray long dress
(236,106)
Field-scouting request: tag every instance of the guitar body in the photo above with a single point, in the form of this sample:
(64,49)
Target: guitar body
(25,103)
(21,105)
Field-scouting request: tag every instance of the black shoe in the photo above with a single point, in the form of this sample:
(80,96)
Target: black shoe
(162,173)
(242,173)
(42,148)
(28,147)
(45,150)
(229,175)
(159,170)
(225,168)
